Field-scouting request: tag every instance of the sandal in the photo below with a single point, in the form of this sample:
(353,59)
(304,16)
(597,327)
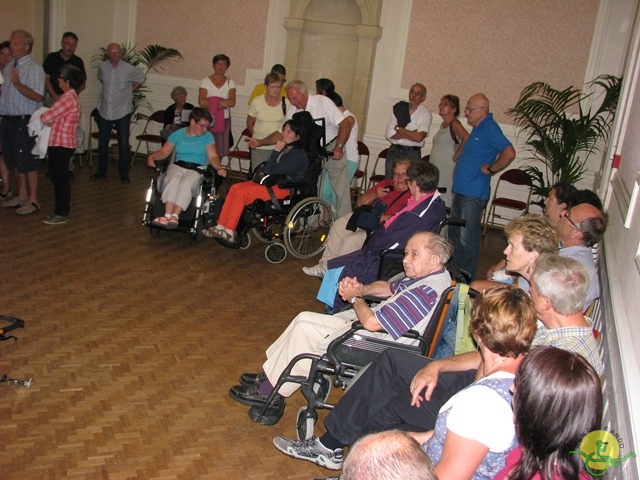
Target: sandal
(208,232)
(173,221)
(160,221)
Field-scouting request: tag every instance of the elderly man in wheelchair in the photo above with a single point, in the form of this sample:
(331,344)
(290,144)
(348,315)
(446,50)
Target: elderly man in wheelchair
(409,305)
(194,148)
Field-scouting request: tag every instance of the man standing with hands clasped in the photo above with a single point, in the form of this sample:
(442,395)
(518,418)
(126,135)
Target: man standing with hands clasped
(119,80)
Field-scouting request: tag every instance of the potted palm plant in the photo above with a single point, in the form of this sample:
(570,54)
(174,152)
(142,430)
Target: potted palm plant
(151,57)
(559,139)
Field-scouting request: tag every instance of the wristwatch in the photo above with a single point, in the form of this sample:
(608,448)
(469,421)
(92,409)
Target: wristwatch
(354,299)
(339,145)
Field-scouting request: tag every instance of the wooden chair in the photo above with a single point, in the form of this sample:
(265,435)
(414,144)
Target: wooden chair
(145,136)
(241,155)
(358,182)
(513,176)
(377,178)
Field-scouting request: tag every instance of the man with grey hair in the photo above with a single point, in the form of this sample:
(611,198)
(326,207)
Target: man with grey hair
(388,456)
(119,80)
(409,305)
(402,389)
(22,95)
(337,131)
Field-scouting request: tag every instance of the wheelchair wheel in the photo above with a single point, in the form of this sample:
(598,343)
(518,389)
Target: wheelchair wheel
(196,234)
(244,241)
(275,252)
(305,422)
(307,227)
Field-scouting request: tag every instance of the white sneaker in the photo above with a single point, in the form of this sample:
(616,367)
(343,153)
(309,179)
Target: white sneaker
(315,271)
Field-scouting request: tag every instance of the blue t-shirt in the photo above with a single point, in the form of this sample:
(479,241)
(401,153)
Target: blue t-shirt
(484,144)
(191,149)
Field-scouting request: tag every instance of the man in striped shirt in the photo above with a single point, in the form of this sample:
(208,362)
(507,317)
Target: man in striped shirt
(409,305)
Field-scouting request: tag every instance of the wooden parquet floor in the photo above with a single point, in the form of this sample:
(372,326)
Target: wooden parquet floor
(133,341)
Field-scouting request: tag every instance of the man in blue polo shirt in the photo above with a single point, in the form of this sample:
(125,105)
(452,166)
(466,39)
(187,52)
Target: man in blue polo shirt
(484,153)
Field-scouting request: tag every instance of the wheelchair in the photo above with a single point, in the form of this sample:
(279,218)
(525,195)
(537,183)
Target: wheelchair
(203,209)
(298,224)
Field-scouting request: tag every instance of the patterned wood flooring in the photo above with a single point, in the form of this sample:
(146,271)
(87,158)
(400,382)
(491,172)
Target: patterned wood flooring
(133,341)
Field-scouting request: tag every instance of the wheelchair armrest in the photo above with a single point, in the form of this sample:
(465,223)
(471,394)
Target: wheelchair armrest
(161,165)
(291,185)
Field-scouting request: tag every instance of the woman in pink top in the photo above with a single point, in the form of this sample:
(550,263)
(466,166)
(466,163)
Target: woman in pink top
(557,400)
(63,118)
(220,86)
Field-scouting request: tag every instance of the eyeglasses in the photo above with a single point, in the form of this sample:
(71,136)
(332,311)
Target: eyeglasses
(414,92)
(567,215)
(467,109)
(203,126)
(399,175)
(70,44)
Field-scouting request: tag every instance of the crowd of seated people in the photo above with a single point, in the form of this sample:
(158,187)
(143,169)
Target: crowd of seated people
(409,304)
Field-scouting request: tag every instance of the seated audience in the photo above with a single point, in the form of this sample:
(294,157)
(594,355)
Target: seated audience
(409,305)
(387,456)
(424,212)
(394,193)
(173,114)
(287,159)
(266,115)
(402,390)
(194,147)
(529,236)
(474,430)
(557,398)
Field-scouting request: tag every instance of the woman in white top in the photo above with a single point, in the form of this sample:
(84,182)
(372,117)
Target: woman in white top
(266,115)
(221,86)
(475,429)
(447,143)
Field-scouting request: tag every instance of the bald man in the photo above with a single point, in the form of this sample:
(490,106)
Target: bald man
(407,133)
(484,153)
(119,80)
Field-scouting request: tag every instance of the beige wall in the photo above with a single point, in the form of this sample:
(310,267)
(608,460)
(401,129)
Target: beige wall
(24,15)
(199,29)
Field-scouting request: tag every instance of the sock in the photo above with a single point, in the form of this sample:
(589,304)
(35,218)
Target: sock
(230,232)
(265,387)
(330,442)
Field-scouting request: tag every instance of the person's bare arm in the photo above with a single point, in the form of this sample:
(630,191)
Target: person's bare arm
(49,87)
(368,197)
(412,135)
(161,154)
(251,122)
(461,457)
(504,159)
(462,134)
(427,377)
(229,102)
(344,130)
(82,87)
(136,86)
(270,140)
(214,160)
(202,97)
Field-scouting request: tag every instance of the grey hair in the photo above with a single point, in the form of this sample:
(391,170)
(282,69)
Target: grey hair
(564,281)
(177,91)
(28,38)
(439,246)
(299,84)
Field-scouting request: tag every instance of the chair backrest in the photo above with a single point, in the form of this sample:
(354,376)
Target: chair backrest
(517,177)
(426,158)
(434,327)
(362,148)
(157,116)
(245,133)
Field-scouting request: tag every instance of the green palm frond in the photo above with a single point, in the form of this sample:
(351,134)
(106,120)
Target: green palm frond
(563,141)
(151,57)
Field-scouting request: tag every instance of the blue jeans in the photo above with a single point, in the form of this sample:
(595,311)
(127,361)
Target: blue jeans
(104,134)
(466,240)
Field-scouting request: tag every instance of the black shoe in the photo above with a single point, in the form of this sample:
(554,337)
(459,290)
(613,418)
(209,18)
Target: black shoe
(248,379)
(250,395)
(270,415)
(125,179)
(98,176)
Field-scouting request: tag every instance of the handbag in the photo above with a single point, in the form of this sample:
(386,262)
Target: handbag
(367,217)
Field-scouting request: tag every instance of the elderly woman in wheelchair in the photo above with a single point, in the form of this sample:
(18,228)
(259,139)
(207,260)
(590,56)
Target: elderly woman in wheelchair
(409,305)
(287,161)
(194,148)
